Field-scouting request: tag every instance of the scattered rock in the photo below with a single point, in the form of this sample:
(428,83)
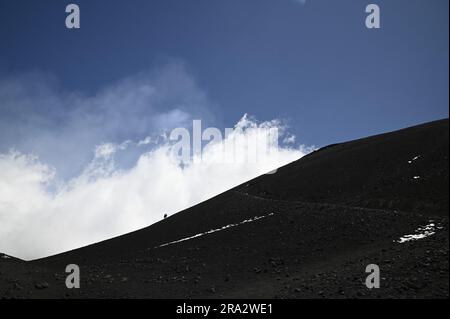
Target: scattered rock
(42,285)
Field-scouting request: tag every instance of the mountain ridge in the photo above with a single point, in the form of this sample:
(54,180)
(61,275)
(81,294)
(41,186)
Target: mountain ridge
(307,231)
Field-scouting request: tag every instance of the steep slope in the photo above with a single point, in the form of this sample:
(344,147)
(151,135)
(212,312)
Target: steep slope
(307,231)
(405,170)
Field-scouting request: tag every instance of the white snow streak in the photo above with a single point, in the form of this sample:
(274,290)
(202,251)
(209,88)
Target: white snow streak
(415,158)
(215,230)
(421,232)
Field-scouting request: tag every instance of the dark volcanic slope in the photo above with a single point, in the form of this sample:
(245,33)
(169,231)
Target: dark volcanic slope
(321,220)
(371,172)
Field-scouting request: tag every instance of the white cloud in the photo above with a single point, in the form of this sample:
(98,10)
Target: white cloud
(289,139)
(104,201)
(37,116)
(123,174)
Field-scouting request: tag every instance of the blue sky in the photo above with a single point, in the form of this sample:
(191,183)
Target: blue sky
(315,65)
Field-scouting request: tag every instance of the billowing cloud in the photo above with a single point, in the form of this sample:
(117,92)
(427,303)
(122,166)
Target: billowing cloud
(37,116)
(42,213)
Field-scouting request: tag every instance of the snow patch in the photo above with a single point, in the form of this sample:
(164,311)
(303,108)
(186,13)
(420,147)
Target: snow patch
(414,159)
(215,230)
(421,232)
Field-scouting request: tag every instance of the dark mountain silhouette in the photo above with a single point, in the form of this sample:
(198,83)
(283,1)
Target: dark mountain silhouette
(307,231)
